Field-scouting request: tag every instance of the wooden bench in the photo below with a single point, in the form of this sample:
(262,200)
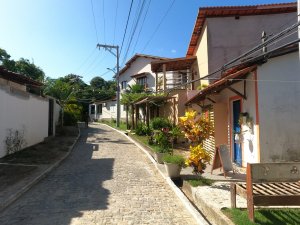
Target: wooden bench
(269,184)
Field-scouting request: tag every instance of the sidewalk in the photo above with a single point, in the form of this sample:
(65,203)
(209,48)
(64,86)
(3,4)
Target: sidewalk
(20,172)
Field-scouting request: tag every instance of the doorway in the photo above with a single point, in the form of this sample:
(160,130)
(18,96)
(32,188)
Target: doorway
(237,151)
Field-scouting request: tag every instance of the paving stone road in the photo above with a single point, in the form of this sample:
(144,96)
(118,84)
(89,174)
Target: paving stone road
(106,180)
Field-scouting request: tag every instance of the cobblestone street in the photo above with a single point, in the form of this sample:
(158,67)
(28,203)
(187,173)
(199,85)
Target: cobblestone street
(106,180)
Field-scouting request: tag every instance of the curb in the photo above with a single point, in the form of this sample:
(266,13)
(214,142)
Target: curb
(192,210)
(27,187)
(213,214)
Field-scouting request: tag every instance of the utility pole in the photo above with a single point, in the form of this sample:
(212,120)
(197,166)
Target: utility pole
(116,54)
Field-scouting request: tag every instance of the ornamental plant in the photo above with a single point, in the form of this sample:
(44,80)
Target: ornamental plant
(196,129)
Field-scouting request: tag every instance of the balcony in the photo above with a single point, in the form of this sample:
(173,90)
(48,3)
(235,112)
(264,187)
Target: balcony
(174,73)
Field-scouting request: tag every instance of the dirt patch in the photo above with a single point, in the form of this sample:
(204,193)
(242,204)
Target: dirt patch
(11,174)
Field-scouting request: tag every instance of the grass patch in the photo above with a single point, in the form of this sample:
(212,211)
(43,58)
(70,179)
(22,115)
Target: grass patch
(122,127)
(200,181)
(265,216)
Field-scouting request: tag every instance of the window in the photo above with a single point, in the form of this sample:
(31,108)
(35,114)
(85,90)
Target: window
(141,81)
(124,85)
(99,109)
(92,109)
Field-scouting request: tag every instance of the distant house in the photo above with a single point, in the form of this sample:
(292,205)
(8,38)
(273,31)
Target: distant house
(103,110)
(25,115)
(256,108)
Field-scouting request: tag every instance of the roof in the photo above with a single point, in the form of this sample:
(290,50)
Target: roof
(173,64)
(230,77)
(18,78)
(135,57)
(107,100)
(140,75)
(152,99)
(226,11)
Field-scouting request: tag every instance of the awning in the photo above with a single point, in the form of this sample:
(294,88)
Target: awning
(227,80)
(173,64)
(152,99)
(140,75)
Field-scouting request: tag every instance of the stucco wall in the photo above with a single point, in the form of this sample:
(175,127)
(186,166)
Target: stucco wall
(140,65)
(223,120)
(279,94)
(202,55)
(109,111)
(22,111)
(229,37)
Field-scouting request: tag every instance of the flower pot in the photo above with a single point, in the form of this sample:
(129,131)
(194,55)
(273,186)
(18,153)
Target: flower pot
(173,170)
(158,157)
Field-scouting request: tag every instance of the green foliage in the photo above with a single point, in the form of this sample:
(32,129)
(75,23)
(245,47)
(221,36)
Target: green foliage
(162,139)
(98,82)
(175,159)
(158,123)
(22,66)
(176,132)
(265,216)
(200,181)
(142,129)
(136,88)
(72,114)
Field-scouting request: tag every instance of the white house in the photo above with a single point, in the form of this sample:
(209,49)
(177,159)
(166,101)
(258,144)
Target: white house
(24,115)
(256,108)
(103,110)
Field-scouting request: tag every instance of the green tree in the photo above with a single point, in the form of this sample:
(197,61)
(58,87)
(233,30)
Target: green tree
(99,83)
(22,66)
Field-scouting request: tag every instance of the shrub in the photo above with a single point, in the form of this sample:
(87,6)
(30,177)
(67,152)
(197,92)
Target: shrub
(158,123)
(163,141)
(142,129)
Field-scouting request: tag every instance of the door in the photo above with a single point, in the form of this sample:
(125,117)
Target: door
(50,117)
(237,152)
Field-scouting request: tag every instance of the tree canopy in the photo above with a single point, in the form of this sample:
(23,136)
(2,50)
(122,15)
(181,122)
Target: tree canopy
(23,66)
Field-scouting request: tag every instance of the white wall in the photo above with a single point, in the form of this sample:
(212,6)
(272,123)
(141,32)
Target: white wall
(22,110)
(279,94)
(140,65)
(109,111)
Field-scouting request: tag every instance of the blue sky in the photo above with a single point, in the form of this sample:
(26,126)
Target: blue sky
(60,36)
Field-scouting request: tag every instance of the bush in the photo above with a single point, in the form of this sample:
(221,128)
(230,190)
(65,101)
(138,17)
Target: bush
(158,123)
(162,140)
(142,129)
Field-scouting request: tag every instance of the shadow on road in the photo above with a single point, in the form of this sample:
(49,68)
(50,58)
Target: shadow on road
(68,192)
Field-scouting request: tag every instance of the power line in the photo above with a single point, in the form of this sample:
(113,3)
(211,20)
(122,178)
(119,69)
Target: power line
(94,20)
(126,25)
(85,61)
(115,21)
(134,27)
(103,15)
(159,24)
(142,25)
(255,49)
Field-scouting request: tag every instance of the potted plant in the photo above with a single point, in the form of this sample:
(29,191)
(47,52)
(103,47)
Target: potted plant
(173,164)
(163,147)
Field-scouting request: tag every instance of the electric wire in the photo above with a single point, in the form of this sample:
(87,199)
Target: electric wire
(159,24)
(256,48)
(116,16)
(134,27)
(128,17)
(86,60)
(103,15)
(92,69)
(94,19)
(141,27)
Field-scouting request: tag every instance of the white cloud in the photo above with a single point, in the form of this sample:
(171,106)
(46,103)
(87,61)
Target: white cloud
(173,51)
